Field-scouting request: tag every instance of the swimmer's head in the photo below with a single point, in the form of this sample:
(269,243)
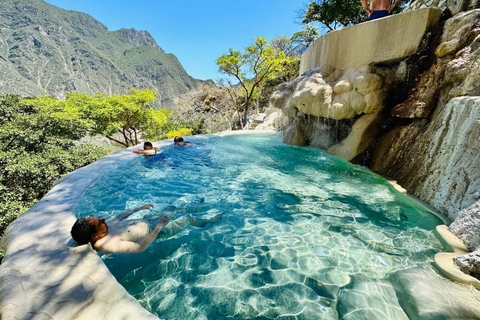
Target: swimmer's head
(88,229)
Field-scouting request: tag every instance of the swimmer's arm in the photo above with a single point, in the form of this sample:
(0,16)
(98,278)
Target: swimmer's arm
(120,246)
(366,7)
(127,214)
(147,152)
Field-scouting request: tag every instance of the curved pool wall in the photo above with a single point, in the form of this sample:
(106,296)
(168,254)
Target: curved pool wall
(44,275)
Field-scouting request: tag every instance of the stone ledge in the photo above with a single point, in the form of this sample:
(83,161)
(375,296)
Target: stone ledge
(444,260)
(382,40)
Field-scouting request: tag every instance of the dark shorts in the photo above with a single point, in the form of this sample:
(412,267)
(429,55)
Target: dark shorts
(378,14)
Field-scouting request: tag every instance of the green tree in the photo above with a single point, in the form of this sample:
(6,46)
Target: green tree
(335,14)
(260,62)
(37,146)
(284,44)
(305,37)
(122,119)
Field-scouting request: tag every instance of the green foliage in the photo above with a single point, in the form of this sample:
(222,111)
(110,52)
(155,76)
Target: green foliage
(305,37)
(284,44)
(335,14)
(259,62)
(290,72)
(36,148)
(122,119)
(180,132)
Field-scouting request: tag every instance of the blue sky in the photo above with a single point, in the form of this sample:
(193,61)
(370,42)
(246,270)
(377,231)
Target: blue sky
(197,32)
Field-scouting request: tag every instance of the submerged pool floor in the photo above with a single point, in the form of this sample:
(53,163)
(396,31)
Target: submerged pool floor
(305,235)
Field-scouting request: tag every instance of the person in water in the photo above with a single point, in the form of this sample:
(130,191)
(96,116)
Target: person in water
(118,235)
(378,8)
(178,141)
(148,149)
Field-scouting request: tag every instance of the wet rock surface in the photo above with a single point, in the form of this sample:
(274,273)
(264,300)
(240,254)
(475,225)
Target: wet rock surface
(324,104)
(429,136)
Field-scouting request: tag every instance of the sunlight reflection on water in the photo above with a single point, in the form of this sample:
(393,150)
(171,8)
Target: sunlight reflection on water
(305,235)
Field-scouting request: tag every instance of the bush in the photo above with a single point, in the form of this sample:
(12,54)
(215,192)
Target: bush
(37,147)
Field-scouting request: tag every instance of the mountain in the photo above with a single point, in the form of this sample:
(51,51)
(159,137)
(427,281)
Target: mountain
(48,50)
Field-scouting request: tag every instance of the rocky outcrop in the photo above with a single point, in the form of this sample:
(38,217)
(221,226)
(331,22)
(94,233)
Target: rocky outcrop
(418,117)
(339,105)
(137,38)
(436,160)
(327,97)
(440,146)
(436,155)
(466,228)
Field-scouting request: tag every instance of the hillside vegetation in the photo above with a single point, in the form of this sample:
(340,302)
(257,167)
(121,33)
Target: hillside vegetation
(43,138)
(48,50)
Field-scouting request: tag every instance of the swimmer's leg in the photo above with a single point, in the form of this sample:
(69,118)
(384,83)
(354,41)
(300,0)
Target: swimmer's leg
(197,222)
(177,225)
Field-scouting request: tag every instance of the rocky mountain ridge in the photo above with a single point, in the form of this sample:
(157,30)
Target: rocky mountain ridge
(48,50)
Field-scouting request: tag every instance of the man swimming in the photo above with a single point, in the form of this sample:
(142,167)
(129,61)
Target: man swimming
(378,8)
(148,149)
(178,141)
(118,235)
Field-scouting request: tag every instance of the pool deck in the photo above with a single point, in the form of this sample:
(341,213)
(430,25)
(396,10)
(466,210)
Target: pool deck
(45,275)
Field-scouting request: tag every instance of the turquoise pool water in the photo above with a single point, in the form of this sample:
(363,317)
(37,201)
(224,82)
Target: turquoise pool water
(305,235)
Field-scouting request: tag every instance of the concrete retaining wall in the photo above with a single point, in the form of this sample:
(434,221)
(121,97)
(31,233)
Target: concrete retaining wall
(381,40)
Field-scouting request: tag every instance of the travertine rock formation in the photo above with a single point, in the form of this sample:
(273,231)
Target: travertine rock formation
(326,97)
(467,227)
(436,160)
(323,104)
(430,136)
(436,156)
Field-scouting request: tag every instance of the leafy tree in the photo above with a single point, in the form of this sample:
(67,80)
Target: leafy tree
(260,62)
(180,132)
(284,44)
(37,147)
(122,119)
(305,37)
(335,14)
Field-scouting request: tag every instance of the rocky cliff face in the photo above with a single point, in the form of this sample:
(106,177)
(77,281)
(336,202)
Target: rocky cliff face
(435,156)
(47,50)
(418,123)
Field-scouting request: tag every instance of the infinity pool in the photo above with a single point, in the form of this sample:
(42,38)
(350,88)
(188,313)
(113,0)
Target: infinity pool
(305,235)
